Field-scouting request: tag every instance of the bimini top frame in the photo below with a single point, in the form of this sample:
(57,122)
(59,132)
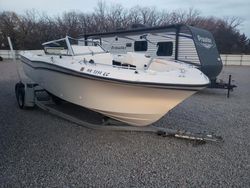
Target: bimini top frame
(66,39)
(65,44)
(210,61)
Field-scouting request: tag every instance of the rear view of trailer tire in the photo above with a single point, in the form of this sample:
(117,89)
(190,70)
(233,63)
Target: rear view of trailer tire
(20,94)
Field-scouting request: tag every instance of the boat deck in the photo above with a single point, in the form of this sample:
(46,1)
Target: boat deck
(39,149)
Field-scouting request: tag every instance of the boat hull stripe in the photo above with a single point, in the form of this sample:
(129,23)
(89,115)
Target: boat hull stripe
(84,75)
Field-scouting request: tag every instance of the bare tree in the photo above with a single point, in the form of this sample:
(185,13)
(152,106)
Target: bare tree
(8,27)
(31,29)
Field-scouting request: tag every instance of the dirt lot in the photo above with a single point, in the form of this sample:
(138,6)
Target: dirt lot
(38,149)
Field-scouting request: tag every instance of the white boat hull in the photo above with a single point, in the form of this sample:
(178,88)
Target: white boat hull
(133,104)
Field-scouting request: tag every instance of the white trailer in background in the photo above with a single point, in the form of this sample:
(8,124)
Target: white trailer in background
(174,42)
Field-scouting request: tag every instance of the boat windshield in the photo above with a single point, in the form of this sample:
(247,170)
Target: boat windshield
(70,46)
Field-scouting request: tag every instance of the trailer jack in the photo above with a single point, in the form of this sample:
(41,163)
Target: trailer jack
(222,85)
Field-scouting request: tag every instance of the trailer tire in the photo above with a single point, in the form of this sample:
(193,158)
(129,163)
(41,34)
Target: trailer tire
(20,94)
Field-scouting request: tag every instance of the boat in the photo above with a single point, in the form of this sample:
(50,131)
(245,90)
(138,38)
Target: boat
(132,88)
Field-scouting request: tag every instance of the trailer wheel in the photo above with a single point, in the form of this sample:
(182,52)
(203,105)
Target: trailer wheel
(20,94)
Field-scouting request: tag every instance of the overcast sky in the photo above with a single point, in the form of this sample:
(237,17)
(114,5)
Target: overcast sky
(218,8)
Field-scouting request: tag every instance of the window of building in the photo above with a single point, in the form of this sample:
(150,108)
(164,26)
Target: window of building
(128,44)
(164,49)
(140,46)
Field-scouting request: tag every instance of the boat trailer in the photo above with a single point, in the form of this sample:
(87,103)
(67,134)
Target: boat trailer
(27,95)
(31,94)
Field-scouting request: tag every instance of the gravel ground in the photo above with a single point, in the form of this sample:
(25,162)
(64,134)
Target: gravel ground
(38,149)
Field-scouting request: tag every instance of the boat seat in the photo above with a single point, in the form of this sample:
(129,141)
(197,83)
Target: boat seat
(164,65)
(132,59)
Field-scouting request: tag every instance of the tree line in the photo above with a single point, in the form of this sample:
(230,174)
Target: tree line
(32,28)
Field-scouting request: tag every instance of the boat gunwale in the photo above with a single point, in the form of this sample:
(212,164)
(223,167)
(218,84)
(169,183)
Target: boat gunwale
(190,87)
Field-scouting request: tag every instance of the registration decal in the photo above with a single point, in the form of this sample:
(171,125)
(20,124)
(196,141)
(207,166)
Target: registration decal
(97,72)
